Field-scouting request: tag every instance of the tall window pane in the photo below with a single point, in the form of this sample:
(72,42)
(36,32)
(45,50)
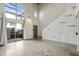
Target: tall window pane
(15,10)
(10,15)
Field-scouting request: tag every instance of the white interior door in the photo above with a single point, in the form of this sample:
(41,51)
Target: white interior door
(63,37)
(68,35)
(78,31)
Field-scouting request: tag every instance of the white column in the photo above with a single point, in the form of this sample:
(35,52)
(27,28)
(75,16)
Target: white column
(3,34)
(28,22)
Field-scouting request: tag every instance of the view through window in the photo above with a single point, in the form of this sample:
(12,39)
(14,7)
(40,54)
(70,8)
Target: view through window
(14,12)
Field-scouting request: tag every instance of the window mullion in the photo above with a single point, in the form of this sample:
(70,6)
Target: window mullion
(16,19)
(16,11)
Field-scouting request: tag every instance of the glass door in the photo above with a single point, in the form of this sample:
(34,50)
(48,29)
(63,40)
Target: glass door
(14,31)
(14,14)
(19,30)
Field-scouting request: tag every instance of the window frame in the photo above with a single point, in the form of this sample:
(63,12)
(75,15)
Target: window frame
(16,10)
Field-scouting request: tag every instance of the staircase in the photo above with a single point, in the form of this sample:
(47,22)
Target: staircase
(63,28)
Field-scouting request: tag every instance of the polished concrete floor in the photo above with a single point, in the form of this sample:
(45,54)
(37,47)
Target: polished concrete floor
(37,48)
(14,40)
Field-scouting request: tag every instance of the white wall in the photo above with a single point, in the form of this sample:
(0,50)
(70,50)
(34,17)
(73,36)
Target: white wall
(48,12)
(32,14)
(61,29)
(36,18)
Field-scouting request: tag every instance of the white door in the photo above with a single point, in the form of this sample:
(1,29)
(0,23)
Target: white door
(77,31)
(63,37)
(68,35)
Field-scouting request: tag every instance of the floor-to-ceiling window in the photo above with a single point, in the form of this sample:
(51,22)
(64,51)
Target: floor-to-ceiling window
(14,14)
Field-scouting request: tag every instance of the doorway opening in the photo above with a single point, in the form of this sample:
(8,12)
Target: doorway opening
(35,31)
(14,32)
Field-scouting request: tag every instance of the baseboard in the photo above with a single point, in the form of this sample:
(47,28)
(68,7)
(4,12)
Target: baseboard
(39,36)
(62,42)
(28,39)
(1,45)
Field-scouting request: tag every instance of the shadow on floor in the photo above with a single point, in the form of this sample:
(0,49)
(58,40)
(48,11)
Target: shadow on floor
(14,40)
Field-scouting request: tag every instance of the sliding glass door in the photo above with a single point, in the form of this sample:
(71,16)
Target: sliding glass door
(14,14)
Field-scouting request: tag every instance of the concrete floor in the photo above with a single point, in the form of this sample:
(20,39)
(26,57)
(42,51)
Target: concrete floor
(37,48)
(14,40)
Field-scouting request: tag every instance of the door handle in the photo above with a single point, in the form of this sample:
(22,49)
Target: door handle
(76,33)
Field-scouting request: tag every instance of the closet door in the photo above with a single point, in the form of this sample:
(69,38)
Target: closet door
(77,34)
